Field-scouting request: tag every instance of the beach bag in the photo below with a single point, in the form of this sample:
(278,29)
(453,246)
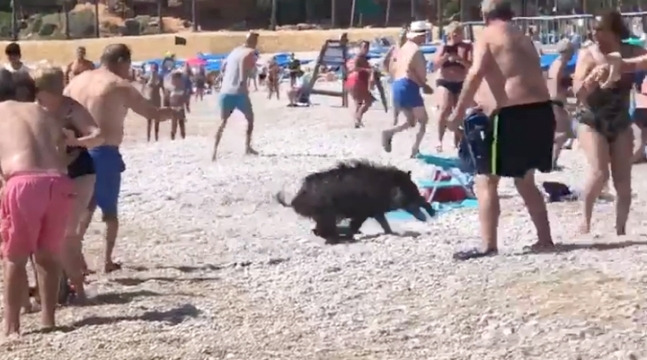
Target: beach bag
(444,194)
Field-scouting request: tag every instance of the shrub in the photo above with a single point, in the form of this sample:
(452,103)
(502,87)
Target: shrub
(81,24)
(37,23)
(47,29)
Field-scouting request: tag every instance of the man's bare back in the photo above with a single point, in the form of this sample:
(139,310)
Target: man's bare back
(30,140)
(409,62)
(77,67)
(37,194)
(510,78)
(105,95)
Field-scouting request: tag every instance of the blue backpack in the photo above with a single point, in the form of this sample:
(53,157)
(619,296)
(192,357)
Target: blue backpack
(473,146)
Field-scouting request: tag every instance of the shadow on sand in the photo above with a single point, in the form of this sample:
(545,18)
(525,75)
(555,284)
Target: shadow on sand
(121,298)
(566,248)
(274,155)
(171,317)
(181,268)
(346,238)
(138,281)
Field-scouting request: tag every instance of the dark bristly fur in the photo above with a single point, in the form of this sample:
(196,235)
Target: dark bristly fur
(355,190)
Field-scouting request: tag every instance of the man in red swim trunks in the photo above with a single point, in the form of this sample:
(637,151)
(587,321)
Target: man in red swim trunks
(358,82)
(36,201)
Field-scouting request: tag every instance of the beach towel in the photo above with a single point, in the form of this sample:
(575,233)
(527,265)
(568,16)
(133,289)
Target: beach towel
(441,208)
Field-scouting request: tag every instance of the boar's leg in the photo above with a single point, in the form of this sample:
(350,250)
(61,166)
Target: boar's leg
(356,224)
(381,219)
(326,227)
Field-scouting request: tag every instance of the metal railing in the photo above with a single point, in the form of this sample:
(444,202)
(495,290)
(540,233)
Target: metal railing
(550,29)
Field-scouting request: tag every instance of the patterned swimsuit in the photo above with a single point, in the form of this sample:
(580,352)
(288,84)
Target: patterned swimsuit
(607,110)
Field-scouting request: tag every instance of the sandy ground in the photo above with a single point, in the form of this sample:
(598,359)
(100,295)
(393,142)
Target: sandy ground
(215,269)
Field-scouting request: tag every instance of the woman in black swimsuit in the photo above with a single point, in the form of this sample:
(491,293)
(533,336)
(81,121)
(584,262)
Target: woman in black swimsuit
(452,59)
(74,117)
(605,131)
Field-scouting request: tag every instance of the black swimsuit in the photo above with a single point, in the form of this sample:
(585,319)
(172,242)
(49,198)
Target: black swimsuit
(454,87)
(607,110)
(83,164)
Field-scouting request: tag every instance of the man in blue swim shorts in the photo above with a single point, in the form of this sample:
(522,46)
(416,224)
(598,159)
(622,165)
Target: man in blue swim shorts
(108,95)
(408,69)
(237,69)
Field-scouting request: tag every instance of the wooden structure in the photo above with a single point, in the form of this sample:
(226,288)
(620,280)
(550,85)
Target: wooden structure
(333,55)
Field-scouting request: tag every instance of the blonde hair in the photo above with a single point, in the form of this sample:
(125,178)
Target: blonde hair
(49,78)
(453,27)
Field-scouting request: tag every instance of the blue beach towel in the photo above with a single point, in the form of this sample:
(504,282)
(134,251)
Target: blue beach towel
(439,161)
(401,215)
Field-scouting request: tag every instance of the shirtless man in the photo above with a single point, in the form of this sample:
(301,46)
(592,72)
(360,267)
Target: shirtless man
(36,201)
(392,54)
(79,65)
(559,85)
(237,68)
(152,87)
(108,95)
(521,116)
(409,71)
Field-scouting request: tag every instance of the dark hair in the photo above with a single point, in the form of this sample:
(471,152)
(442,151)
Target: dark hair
(114,54)
(7,86)
(12,49)
(611,20)
(500,10)
(364,43)
(24,87)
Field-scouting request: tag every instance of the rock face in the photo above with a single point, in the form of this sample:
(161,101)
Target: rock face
(132,27)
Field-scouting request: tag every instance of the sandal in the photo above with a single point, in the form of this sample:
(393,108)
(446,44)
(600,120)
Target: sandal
(474,253)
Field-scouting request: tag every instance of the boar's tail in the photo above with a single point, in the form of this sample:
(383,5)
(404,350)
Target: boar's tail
(280,198)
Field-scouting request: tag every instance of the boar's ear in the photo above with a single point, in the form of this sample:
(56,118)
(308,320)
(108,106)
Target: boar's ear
(409,173)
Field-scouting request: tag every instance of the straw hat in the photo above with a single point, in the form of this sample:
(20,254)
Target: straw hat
(418,28)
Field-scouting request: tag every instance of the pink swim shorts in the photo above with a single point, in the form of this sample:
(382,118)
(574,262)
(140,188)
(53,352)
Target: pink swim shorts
(34,213)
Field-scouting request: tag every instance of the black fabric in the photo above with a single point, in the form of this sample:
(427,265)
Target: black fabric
(519,138)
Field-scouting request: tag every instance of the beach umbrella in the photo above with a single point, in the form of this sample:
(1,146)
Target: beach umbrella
(196,61)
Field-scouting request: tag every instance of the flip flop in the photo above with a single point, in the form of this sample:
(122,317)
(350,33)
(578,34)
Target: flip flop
(474,253)
(387,142)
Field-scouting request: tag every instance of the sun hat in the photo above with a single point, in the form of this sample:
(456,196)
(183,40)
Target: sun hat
(417,28)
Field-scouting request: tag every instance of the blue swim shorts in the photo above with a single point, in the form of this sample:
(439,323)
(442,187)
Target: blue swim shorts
(108,165)
(230,102)
(406,94)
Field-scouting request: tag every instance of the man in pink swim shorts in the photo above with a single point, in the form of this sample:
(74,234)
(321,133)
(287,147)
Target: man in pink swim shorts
(36,200)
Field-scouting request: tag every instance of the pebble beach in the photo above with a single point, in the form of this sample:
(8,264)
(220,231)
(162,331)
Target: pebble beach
(214,268)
